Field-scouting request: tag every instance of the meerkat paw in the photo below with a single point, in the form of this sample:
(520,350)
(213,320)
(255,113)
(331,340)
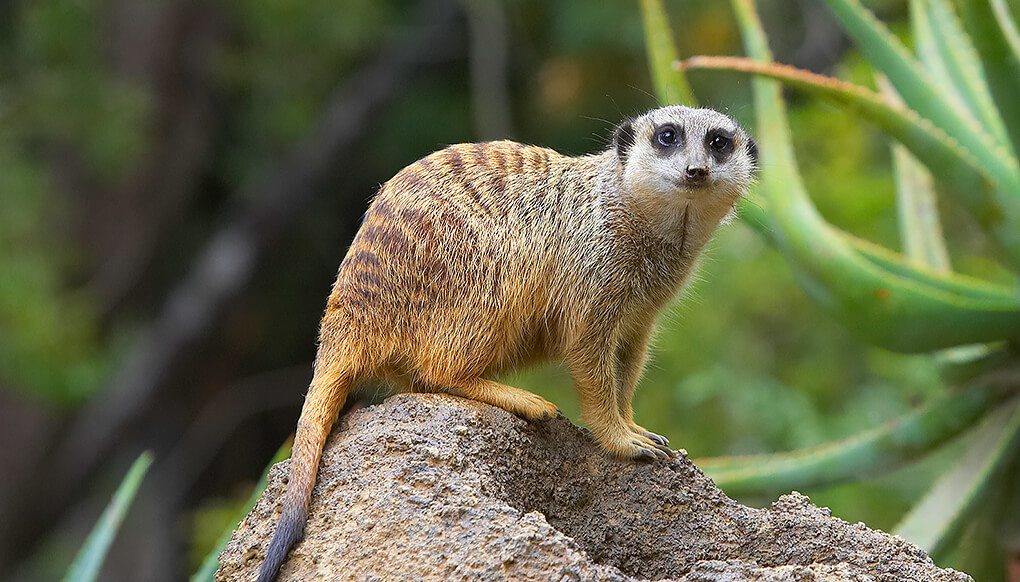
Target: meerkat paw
(632,445)
(658,439)
(532,406)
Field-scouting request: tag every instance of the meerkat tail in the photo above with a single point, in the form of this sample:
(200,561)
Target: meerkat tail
(325,399)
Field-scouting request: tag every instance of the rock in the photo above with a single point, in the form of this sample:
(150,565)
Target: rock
(432,487)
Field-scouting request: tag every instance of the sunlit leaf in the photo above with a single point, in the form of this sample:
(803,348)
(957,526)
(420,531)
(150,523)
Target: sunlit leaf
(916,207)
(889,311)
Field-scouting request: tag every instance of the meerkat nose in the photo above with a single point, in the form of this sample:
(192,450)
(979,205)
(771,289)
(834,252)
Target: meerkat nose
(696,173)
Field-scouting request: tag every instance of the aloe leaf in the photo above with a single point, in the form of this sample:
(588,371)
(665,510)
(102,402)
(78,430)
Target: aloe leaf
(1007,25)
(670,86)
(857,457)
(963,67)
(750,210)
(916,208)
(995,37)
(887,54)
(90,557)
(917,212)
(897,265)
(928,52)
(890,311)
(996,208)
(207,571)
(929,523)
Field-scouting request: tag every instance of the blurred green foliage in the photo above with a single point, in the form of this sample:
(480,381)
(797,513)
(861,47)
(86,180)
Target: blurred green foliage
(744,363)
(946,106)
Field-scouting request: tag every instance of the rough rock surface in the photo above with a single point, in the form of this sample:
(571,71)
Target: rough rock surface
(431,487)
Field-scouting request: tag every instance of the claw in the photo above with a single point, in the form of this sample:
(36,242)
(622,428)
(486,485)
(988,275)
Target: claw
(658,438)
(647,455)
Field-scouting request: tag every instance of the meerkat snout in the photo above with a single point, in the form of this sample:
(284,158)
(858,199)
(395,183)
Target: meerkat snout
(696,174)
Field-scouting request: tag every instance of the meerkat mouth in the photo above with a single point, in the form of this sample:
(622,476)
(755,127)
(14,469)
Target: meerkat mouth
(685,185)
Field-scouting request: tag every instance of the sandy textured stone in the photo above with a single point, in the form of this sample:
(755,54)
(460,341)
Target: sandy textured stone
(431,487)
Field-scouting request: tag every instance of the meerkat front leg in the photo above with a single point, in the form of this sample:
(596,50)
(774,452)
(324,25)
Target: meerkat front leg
(631,355)
(593,370)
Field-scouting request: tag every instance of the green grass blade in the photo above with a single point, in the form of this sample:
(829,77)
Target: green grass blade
(207,571)
(89,559)
(995,37)
(916,208)
(858,457)
(997,209)
(890,311)
(670,86)
(963,67)
(887,54)
(936,516)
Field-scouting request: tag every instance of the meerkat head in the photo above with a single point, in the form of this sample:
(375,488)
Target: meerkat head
(681,157)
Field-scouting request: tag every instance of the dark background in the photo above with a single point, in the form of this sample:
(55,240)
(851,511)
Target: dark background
(180,179)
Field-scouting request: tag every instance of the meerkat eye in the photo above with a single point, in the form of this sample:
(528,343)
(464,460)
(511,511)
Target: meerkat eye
(666,136)
(719,143)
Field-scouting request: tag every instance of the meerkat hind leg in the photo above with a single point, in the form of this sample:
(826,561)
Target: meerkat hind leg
(513,400)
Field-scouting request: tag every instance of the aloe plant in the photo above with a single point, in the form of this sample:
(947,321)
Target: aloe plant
(953,112)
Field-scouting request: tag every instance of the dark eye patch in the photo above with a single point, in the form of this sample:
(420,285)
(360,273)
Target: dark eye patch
(668,137)
(719,143)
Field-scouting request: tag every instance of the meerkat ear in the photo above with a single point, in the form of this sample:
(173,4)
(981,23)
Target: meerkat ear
(623,139)
(752,150)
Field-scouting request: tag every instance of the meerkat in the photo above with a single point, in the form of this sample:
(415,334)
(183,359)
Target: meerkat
(482,258)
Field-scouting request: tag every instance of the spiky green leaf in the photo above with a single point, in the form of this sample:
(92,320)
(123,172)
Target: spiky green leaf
(995,36)
(857,457)
(954,61)
(894,312)
(90,557)
(916,207)
(897,265)
(935,517)
(996,208)
(887,54)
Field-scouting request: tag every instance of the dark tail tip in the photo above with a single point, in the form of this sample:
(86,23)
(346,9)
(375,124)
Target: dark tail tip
(288,532)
